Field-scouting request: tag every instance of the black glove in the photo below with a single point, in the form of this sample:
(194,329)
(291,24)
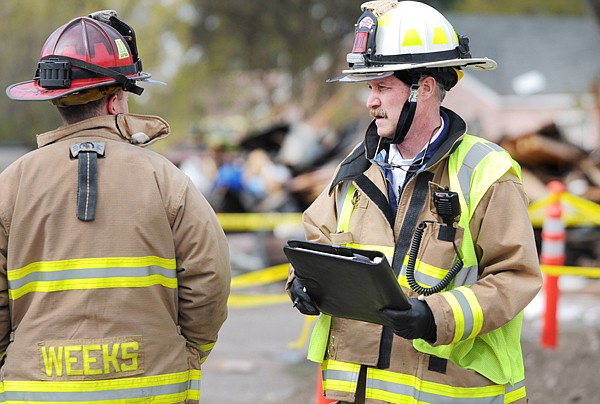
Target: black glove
(302,300)
(416,322)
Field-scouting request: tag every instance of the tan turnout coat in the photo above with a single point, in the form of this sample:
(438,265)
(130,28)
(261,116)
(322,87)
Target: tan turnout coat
(147,210)
(509,275)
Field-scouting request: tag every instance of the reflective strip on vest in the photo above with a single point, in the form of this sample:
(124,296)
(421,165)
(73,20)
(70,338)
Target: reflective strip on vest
(169,388)
(474,156)
(92,273)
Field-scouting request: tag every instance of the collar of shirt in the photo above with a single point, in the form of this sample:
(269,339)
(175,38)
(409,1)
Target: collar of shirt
(396,158)
(398,176)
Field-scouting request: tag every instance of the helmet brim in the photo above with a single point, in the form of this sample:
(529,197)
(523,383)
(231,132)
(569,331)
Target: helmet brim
(378,72)
(31,91)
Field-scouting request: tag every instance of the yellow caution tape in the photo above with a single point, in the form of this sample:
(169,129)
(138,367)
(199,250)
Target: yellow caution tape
(576,211)
(257,221)
(587,272)
(301,341)
(262,277)
(256,278)
(245,301)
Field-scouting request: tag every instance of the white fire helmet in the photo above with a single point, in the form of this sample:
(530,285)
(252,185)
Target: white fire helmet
(395,35)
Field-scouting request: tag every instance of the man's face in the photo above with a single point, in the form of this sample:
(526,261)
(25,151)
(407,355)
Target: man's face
(386,99)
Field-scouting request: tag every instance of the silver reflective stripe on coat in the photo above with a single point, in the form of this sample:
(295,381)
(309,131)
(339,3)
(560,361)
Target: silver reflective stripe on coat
(466,276)
(104,396)
(408,392)
(467,312)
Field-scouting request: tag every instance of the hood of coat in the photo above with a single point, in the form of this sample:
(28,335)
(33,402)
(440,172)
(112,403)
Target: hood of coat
(136,129)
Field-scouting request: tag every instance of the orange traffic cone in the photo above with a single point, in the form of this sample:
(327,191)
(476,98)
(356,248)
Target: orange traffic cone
(320,399)
(553,253)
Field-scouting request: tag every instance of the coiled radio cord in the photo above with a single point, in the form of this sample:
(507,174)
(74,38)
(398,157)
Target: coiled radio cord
(412,259)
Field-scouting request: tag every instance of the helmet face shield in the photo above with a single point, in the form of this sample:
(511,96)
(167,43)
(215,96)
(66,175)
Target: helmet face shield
(83,54)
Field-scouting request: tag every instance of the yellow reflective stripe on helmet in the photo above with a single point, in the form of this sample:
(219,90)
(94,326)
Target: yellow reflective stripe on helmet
(440,37)
(467,312)
(167,388)
(340,376)
(385,20)
(92,273)
(397,387)
(412,38)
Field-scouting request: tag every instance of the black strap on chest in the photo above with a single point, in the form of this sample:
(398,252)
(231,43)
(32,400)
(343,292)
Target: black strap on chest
(409,224)
(378,197)
(87,177)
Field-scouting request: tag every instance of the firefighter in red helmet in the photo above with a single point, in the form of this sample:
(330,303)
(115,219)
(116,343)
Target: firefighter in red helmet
(114,271)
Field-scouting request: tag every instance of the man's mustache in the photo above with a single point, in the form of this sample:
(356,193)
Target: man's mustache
(377,113)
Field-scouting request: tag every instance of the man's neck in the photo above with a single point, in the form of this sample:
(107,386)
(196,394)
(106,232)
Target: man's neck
(417,138)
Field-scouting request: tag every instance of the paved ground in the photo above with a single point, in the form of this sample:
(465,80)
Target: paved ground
(252,363)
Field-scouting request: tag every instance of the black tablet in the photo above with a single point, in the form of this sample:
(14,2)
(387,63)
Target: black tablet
(346,282)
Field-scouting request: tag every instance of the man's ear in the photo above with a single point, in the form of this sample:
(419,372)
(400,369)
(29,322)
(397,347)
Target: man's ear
(427,87)
(111,105)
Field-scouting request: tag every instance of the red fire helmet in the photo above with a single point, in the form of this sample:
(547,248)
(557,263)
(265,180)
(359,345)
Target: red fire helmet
(83,54)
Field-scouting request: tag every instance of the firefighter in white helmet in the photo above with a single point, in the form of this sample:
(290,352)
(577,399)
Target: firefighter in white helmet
(449,211)
(114,270)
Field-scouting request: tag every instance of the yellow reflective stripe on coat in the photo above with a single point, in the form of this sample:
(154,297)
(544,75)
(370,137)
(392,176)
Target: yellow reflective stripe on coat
(92,273)
(205,349)
(387,251)
(426,275)
(340,376)
(401,388)
(467,312)
(166,389)
(396,387)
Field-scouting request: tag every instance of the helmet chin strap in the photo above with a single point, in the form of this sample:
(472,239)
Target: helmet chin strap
(407,114)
